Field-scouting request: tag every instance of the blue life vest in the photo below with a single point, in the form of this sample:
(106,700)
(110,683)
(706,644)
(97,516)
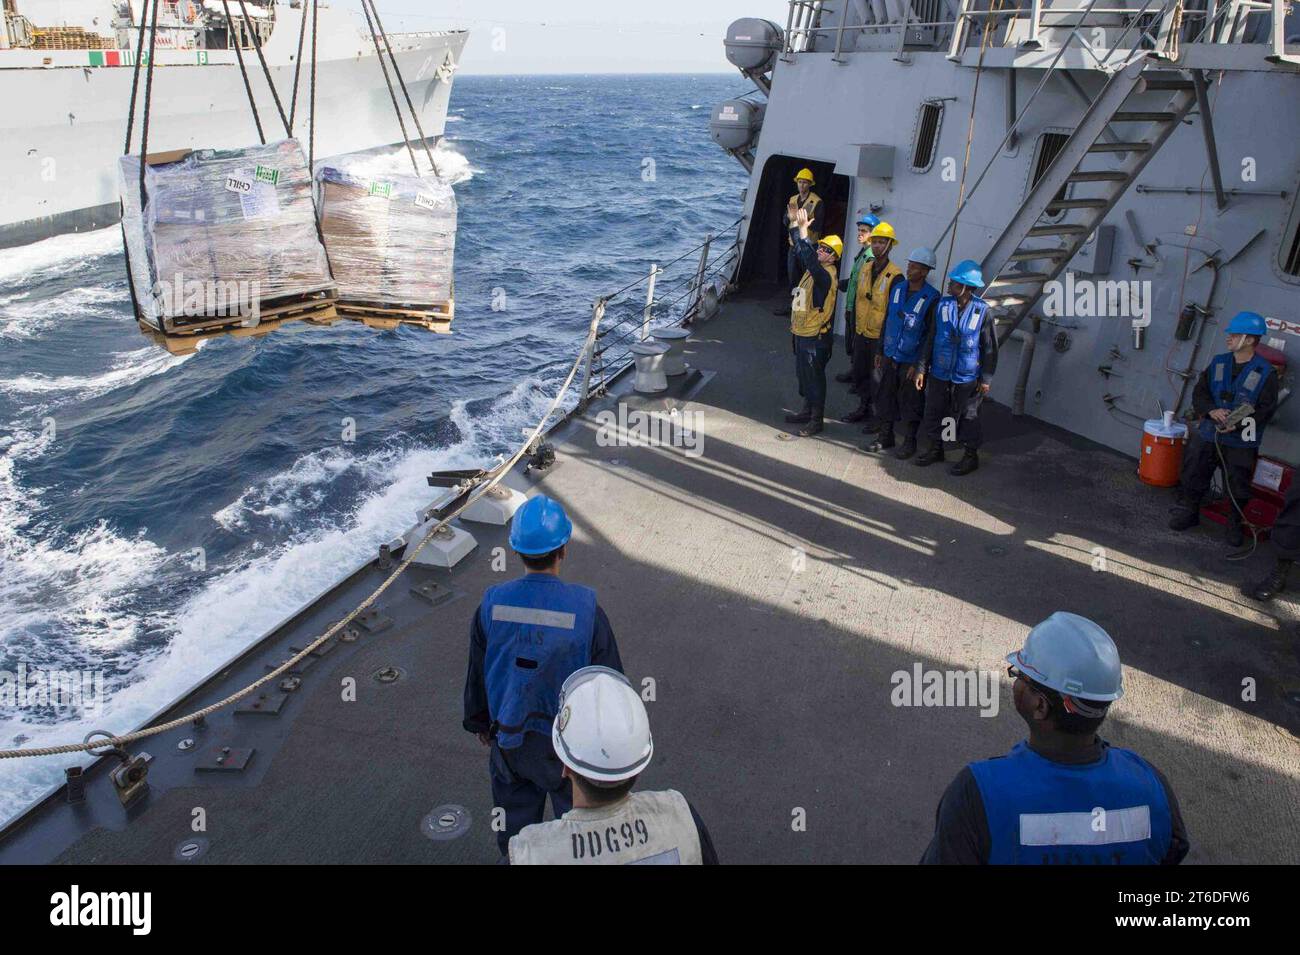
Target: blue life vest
(904,325)
(1110,812)
(956,355)
(539,630)
(1228,393)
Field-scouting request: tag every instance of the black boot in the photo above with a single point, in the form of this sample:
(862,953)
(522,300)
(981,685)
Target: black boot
(844,376)
(814,425)
(883,442)
(1184,518)
(860,414)
(930,456)
(1270,586)
(907,448)
(800,417)
(1234,535)
(968,463)
(874,426)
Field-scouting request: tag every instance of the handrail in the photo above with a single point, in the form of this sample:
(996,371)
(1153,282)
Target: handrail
(800,28)
(606,358)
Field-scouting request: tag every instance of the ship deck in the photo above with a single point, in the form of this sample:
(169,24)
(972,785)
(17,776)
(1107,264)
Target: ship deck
(772,675)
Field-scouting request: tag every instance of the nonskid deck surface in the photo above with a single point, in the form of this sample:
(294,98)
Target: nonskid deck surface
(771,588)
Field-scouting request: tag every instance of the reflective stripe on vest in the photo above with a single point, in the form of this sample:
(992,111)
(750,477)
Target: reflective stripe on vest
(643,829)
(904,325)
(539,630)
(1114,811)
(873,299)
(1228,393)
(809,321)
(956,355)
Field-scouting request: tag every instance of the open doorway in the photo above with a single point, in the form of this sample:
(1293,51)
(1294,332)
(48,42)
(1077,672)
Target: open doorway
(765,247)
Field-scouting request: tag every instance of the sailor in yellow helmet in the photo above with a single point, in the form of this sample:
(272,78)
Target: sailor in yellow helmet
(873,292)
(804,198)
(812,314)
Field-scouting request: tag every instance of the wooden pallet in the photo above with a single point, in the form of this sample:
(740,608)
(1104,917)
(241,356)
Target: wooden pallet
(283,307)
(186,341)
(434,318)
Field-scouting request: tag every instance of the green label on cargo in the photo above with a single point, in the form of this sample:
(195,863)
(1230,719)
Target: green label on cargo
(267,174)
(384,189)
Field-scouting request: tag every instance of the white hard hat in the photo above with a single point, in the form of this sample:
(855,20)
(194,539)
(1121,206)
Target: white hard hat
(923,256)
(602,731)
(1074,656)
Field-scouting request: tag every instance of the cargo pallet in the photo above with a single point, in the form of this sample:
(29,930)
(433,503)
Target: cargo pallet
(433,318)
(317,308)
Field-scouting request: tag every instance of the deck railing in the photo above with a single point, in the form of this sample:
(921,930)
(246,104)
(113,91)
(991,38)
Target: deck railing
(675,293)
(824,26)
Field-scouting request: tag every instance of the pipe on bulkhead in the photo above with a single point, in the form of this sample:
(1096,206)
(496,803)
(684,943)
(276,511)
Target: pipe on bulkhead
(1027,345)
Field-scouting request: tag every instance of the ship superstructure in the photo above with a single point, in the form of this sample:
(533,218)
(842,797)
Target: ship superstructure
(1126,172)
(66,71)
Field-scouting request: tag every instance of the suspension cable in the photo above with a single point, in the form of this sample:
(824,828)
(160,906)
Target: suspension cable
(311,122)
(970,129)
(297,70)
(266,70)
(397,71)
(233,34)
(148,101)
(379,55)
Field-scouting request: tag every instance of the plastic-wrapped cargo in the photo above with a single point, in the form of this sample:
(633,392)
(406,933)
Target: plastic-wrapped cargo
(391,240)
(225,235)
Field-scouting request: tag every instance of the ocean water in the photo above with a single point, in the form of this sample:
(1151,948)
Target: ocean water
(118,461)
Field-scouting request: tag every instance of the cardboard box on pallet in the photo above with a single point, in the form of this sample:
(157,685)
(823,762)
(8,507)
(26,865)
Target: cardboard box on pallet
(222,231)
(391,238)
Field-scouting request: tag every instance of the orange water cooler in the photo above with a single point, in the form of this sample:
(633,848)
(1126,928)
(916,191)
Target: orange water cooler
(1163,441)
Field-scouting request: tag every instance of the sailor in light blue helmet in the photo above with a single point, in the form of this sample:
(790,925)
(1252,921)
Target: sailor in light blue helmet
(527,636)
(956,369)
(1235,396)
(866,222)
(1064,795)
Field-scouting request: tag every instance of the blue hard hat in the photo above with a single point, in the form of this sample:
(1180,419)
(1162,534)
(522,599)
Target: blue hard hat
(1248,323)
(868,220)
(539,527)
(967,272)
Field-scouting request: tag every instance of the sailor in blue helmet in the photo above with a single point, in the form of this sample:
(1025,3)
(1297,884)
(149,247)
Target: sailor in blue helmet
(1064,795)
(866,222)
(956,368)
(1235,397)
(912,304)
(527,636)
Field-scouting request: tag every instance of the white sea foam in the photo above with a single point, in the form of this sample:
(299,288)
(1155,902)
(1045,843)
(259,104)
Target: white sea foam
(128,368)
(453,166)
(63,253)
(240,603)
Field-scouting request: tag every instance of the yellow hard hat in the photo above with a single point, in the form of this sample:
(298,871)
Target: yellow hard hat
(833,243)
(884,231)
(804,174)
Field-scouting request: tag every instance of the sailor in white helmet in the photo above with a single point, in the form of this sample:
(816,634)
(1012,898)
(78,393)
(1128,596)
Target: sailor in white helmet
(602,735)
(1065,795)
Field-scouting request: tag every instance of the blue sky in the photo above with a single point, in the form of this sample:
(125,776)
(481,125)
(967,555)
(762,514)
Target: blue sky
(584,36)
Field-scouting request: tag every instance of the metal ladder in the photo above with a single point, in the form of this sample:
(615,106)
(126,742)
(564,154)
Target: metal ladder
(1016,286)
